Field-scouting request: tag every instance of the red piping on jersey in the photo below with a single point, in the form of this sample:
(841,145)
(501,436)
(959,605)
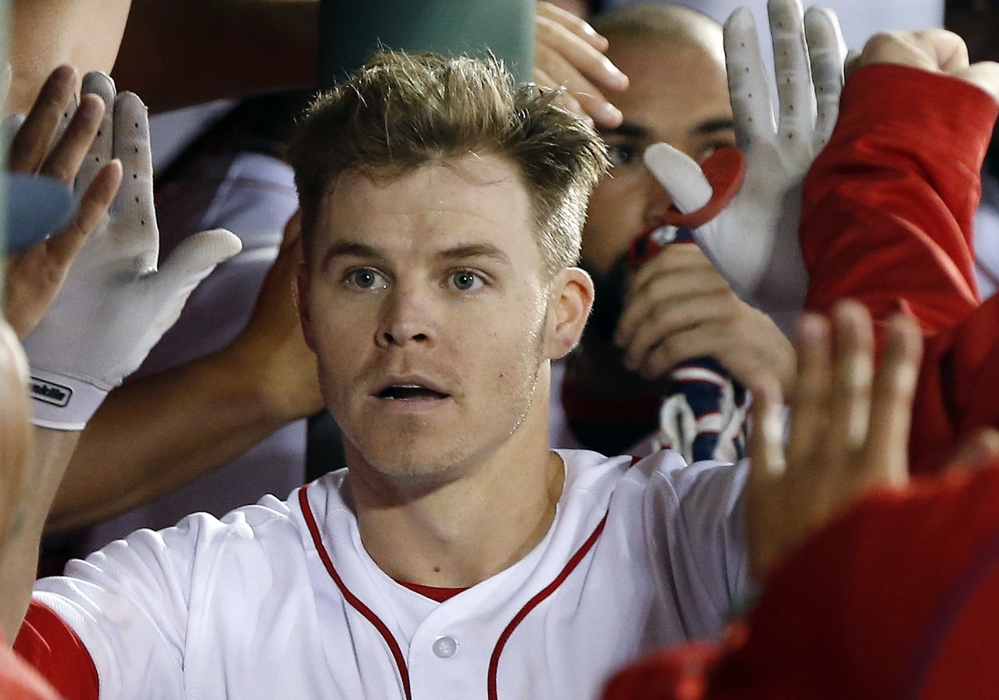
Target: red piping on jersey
(534,602)
(400,662)
(310,521)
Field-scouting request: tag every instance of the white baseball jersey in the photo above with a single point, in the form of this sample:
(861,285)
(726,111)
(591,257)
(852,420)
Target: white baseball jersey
(280,600)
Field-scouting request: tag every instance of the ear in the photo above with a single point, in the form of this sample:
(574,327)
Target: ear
(300,290)
(569,307)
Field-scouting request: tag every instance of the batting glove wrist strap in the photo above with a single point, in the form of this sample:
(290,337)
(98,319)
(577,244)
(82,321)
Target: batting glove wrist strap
(62,403)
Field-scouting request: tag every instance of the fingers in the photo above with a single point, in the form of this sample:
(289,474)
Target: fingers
(565,100)
(949,49)
(67,156)
(195,257)
(827,54)
(565,72)
(766,440)
(572,23)
(853,372)
(580,52)
(930,49)
(748,84)
(891,404)
(674,276)
(63,245)
(674,260)
(101,150)
(691,327)
(36,135)
(569,53)
(765,507)
(134,203)
(984,75)
(794,80)
(679,175)
(981,451)
(812,390)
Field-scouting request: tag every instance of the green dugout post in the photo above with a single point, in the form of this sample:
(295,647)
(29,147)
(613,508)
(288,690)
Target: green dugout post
(351,30)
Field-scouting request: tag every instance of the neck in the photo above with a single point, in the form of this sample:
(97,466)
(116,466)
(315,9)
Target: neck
(458,533)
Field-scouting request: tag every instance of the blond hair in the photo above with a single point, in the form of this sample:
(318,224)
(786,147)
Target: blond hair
(401,112)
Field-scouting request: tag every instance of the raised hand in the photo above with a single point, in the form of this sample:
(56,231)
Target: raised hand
(849,429)
(934,50)
(116,301)
(751,233)
(567,52)
(52,141)
(679,307)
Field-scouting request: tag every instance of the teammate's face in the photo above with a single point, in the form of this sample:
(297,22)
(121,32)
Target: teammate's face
(679,95)
(426,307)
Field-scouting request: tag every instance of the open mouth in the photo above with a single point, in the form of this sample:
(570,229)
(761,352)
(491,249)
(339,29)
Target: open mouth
(410,392)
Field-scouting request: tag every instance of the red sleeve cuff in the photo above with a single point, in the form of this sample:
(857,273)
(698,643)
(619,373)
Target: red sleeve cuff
(51,646)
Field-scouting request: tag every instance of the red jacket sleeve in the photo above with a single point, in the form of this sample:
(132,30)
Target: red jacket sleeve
(887,207)
(18,681)
(51,646)
(887,217)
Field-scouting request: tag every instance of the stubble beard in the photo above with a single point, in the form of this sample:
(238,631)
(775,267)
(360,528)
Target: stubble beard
(412,472)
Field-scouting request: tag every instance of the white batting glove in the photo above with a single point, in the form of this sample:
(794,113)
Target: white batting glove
(752,237)
(115,304)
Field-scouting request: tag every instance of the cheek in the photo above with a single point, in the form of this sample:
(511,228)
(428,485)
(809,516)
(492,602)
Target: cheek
(614,218)
(339,334)
(513,351)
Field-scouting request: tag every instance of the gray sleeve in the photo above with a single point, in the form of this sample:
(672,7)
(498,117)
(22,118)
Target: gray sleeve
(695,520)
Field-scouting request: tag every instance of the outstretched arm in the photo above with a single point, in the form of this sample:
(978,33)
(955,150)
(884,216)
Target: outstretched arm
(888,206)
(159,432)
(113,306)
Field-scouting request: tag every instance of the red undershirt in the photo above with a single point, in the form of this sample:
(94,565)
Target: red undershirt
(433,592)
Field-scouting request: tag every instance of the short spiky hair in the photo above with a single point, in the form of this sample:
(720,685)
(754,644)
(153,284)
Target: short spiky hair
(400,112)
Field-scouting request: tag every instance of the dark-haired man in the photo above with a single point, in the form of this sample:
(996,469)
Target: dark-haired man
(677,307)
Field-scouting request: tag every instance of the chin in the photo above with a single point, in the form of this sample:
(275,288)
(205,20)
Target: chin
(428,459)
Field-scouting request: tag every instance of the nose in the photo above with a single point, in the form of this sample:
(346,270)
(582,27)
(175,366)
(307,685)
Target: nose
(406,318)
(657,201)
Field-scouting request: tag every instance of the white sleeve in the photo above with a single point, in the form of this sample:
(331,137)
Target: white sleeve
(130,602)
(695,522)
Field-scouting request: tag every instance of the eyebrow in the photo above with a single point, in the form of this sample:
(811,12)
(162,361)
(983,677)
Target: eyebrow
(711,126)
(637,131)
(475,250)
(626,129)
(353,249)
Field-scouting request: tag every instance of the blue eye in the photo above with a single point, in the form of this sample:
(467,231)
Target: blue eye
(366,278)
(464,280)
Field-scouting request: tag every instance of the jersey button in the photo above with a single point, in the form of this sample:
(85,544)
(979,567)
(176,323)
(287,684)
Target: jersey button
(445,647)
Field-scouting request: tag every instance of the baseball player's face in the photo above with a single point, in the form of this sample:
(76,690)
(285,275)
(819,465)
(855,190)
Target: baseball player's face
(679,95)
(426,305)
